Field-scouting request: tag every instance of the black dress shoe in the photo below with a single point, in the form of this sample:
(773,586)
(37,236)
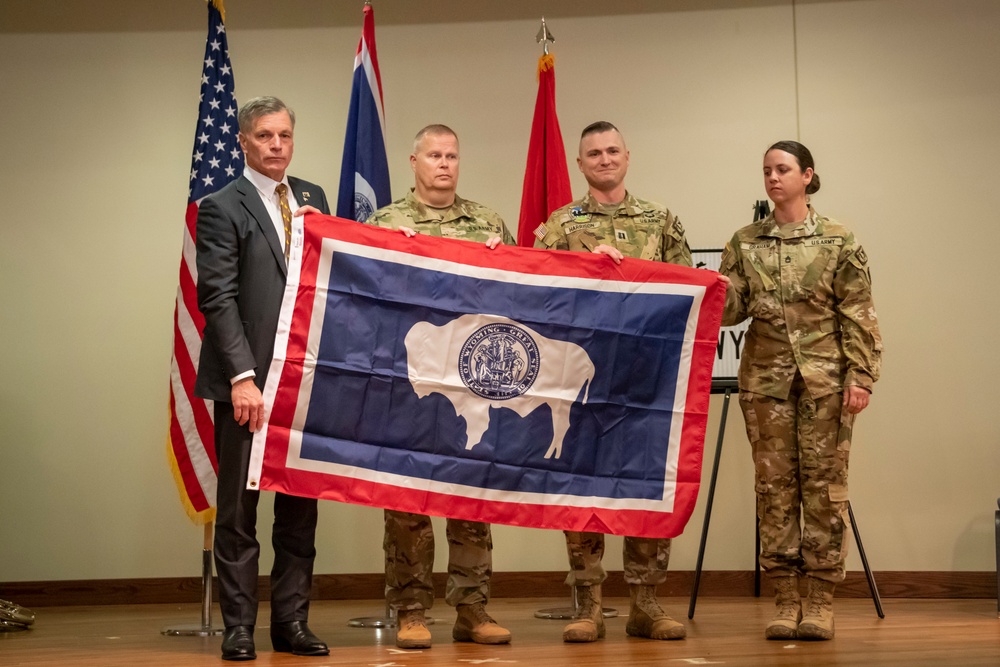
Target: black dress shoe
(237,643)
(295,637)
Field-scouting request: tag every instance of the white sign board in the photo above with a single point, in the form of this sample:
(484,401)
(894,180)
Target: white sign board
(727,358)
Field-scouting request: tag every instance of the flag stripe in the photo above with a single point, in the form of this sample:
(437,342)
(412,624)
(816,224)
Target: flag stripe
(181,458)
(195,503)
(370,53)
(187,432)
(371,76)
(192,420)
(187,373)
(196,464)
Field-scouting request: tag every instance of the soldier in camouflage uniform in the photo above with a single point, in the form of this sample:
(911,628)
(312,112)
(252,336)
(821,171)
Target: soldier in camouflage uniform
(464,219)
(811,355)
(609,220)
(433,208)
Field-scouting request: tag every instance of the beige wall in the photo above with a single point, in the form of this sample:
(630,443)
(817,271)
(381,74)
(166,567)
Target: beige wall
(897,99)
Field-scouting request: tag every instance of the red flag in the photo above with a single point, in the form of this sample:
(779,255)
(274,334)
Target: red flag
(546,178)
(215,161)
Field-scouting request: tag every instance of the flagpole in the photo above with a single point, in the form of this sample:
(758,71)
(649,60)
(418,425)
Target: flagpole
(388,619)
(364,182)
(545,37)
(205,629)
(215,161)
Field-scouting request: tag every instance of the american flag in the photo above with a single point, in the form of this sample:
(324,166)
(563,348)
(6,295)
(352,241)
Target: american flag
(215,161)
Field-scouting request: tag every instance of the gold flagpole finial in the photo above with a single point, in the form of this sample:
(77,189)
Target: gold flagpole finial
(544,36)
(218,4)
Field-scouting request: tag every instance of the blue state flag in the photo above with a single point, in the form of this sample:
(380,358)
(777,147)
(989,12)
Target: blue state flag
(529,387)
(364,171)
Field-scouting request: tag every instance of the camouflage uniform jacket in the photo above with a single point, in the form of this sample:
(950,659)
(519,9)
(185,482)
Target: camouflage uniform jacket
(639,229)
(464,219)
(808,290)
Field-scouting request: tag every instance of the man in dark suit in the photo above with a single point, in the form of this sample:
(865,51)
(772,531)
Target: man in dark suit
(243,242)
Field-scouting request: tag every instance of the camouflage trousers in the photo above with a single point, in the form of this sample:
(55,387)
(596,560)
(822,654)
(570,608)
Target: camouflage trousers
(409,561)
(645,559)
(800,452)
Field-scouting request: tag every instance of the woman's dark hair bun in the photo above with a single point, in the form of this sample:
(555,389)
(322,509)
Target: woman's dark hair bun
(813,186)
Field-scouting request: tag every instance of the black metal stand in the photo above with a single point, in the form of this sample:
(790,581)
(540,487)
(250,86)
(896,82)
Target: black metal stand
(756,556)
(711,499)
(996,519)
(726,387)
(864,563)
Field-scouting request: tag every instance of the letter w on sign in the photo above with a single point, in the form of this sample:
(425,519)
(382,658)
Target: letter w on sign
(528,387)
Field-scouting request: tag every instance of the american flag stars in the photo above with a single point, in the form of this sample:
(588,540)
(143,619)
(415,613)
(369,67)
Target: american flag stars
(217,158)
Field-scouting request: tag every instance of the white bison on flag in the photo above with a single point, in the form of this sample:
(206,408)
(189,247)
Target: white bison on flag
(483,361)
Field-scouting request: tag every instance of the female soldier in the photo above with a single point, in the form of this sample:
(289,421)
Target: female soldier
(811,355)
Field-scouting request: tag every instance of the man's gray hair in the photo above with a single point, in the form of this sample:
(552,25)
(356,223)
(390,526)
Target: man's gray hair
(435,129)
(261,106)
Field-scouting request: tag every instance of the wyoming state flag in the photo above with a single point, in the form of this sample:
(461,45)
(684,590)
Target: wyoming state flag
(364,168)
(518,386)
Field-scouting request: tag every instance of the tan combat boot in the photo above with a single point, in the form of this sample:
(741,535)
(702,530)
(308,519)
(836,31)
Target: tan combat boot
(475,625)
(647,619)
(588,621)
(411,629)
(817,617)
(789,609)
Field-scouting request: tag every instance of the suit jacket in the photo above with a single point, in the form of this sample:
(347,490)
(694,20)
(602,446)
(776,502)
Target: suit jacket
(241,281)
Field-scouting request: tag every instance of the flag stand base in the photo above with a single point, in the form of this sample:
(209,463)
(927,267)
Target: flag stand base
(567,613)
(204,629)
(381,622)
(14,617)
(191,630)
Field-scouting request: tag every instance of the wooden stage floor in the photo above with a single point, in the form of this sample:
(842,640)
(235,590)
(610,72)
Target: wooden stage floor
(725,631)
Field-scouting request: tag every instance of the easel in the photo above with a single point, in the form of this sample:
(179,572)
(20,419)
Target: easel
(727,386)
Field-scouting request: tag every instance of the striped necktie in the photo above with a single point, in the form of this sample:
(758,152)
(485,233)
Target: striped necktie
(286,216)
